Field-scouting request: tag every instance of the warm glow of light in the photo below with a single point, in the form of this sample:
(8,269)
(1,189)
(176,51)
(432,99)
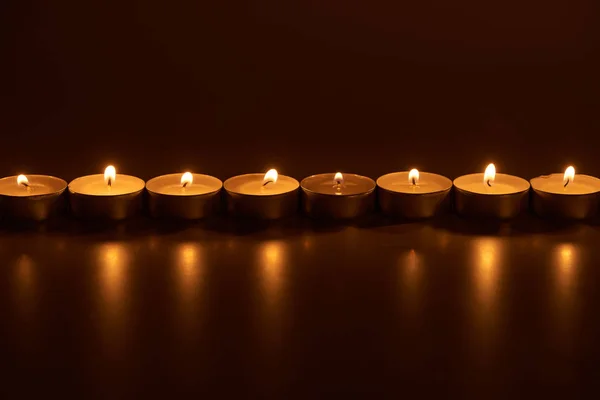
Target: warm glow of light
(410,280)
(565,255)
(490,175)
(272,254)
(566,258)
(272,257)
(338,178)
(189,268)
(413,176)
(22,180)
(187,179)
(569,175)
(188,254)
(270,177)
(113,259)
(487,258)
(25,284)
(110,174)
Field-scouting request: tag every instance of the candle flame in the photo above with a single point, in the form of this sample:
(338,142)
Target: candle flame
(569,175)
(490,175)
(338,178)
(110,174)
(22,180)
(270,177)
(413,176)
(187,179)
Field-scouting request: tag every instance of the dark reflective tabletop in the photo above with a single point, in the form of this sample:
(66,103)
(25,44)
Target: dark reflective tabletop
(299,308)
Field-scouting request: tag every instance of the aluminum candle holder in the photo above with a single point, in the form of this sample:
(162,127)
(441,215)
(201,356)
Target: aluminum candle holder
(490,195)
(414,194)
(188,196)
(566,196)
(338,196)
(267,196)
(31,197)
(110,196)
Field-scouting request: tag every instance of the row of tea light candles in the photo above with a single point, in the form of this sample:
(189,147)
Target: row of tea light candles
(410,194)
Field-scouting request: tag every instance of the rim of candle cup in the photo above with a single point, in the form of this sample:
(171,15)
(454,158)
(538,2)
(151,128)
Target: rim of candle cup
(62,182)
(260,174)
(108,194)
(565,194)
(448,181)
(492,194)
(339,195)
(178,175)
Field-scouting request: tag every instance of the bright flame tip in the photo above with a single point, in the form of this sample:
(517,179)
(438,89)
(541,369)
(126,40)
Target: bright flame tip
(110,174)
(569,175)
(187,179)
(271,176)
(22,180)
(490,175)
(413,176)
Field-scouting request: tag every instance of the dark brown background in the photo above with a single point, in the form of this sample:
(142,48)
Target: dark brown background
(307,87)
(369,87)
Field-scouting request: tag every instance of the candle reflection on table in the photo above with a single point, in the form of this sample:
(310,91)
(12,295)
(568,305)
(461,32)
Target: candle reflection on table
(113,263)
(113,258)
(410,276)
(566,258)
(272,260)
(189,269)
(487,259)
(25,284)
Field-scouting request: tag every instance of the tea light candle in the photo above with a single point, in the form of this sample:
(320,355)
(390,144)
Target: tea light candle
(263,196)
(490,195)
(31,197)
(565,195)
(109,196)
(337,195)
(183,196)
(413,194)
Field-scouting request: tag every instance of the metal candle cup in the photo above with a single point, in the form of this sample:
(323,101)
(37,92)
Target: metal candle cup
(36,198)
(422,196)
(576,199)
(490,195)
(255,196)
(172,196)
(114,197)
(338,197)
(502,197)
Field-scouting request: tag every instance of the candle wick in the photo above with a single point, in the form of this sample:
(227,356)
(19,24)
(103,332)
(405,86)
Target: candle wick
(185,184)
(267,182)
(109,183)
(414,181)
(488,183)
(567,182)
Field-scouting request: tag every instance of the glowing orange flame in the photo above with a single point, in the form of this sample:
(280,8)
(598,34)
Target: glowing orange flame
(569,176)
(490,175)
(413,176)
(270,177)
(110,174)
(187,179)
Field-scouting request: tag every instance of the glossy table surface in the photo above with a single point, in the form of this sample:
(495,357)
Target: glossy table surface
(299,309)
